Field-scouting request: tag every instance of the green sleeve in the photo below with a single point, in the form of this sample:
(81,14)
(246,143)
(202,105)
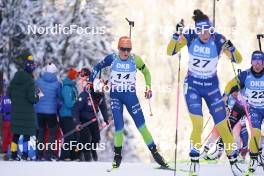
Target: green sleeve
(144,69)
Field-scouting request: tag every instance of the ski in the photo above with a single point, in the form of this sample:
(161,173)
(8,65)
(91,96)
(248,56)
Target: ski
(172,169)
(208,161)
(203,161)
(112,169)
(249,173)
(165,168)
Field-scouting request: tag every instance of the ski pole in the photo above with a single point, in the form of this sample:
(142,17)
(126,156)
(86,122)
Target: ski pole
(81,127)
(177,114)
(247,114)
(206,123)
(179,26)
(131,24)
(208,136)
(150,110)
(259,36)
(92,102)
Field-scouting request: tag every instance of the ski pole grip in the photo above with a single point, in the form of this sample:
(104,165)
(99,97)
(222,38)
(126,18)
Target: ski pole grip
(130,23)
(260,36)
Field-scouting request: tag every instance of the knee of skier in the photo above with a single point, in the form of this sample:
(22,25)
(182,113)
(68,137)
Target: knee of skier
(119,125)
(135,109)
(255,121)
(195,109)
(218,113)
(139,122)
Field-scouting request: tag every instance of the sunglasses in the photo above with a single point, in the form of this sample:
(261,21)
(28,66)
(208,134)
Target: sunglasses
(255,62)
(125,49)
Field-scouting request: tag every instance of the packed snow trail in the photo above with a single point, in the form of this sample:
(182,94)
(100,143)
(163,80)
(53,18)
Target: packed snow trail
(99,168)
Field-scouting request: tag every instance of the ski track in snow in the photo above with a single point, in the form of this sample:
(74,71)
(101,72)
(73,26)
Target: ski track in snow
(24,168)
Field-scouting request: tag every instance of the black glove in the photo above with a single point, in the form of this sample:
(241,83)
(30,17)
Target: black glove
(107,122)
(180,26)
(229,46)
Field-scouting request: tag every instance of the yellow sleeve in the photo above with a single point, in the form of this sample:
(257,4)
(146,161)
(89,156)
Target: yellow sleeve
(175,46)
(234,82)
(236,55)
(144,69)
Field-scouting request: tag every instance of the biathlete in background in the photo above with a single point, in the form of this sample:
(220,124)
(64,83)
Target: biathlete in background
(251,83)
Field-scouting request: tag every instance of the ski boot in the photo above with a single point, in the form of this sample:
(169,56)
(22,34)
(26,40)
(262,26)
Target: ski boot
(117,158)
(40,156)
(94,155)
(218,151)
(242,156)
(260,157)
(51,157)
(215,155)
(14,157)
(203,155)
(25,157)
(195,166)
(5,157)
(158,158)
(253,163)
(235,165)
(87,156)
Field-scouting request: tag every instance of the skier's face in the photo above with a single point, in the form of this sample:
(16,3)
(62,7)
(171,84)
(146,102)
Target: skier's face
(82,74)
(204,35)
(124,53)
(234,95)
(257,65)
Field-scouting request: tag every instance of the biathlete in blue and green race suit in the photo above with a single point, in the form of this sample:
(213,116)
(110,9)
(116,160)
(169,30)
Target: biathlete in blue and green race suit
(124,66)
(205,47)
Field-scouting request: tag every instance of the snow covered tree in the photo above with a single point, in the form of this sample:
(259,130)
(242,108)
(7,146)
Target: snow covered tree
(85,46)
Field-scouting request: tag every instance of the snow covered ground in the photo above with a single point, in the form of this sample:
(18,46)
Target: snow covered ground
(99,169)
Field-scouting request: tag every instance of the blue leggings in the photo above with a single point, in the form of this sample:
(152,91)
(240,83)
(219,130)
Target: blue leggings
(196,89)
(256,116)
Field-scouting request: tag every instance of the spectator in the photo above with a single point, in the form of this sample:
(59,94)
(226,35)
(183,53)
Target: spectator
(83,112)
(23,96)
(46,109)
(69,95)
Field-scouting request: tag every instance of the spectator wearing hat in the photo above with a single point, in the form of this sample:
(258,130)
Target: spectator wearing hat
(46,108)
(23,96)
(69,95)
